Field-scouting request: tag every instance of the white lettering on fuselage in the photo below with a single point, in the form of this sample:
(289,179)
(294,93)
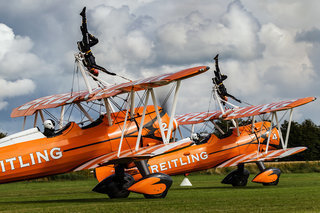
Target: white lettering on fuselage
(178,162)
(30,159)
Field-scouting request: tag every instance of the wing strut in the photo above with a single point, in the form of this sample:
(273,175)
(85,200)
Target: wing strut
(142,119)
(124,125)
(41,115)
(84,112)
(78,58)
(24,122)
(108,109)
(288,129)
(192,130)
(158,116)
(61,117)
(132,104)
(279,129)
(35,119)
(216,126)
(173,110)
(269,132)
(252,125)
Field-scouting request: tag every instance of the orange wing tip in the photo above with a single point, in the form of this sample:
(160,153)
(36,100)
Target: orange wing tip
(153,184)
(268,176)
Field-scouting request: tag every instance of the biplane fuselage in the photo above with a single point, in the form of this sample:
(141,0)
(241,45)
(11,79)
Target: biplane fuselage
(209,153)
(73,146)
(214,151)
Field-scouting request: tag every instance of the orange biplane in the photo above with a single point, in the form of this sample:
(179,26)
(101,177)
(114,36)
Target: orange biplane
(257,141)
(122,138)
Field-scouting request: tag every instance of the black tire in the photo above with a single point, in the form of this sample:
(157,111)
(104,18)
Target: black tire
(240,179)
(117,192)
(118,189)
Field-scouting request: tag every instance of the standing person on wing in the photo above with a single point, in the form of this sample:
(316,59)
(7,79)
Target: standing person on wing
(218,81)
(84,46)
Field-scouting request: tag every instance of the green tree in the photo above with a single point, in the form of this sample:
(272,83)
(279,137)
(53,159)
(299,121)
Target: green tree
(305,134)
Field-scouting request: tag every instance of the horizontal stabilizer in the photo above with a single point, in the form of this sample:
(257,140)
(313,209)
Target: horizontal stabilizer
(261,156)
(128,156)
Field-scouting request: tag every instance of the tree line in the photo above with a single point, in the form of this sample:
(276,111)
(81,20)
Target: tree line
(305,134)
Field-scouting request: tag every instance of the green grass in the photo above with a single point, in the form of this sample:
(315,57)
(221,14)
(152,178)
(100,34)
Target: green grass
(295,193)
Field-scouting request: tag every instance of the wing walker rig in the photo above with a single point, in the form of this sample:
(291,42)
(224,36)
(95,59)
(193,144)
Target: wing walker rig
(265,143)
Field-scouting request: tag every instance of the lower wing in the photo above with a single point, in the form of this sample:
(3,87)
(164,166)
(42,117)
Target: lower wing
(128,156)
(261,156)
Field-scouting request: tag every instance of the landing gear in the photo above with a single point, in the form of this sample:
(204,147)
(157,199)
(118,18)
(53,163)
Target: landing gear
(120,184)
(151,185)
(238,177)
(116,185)
(268,177)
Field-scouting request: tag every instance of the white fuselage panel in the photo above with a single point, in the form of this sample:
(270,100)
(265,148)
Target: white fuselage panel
(26,135)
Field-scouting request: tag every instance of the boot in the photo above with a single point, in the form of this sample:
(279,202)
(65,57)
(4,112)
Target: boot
(83,12)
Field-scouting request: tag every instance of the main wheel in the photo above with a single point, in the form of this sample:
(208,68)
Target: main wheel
(237,177)
(118,188)
(115,187)
(240,180)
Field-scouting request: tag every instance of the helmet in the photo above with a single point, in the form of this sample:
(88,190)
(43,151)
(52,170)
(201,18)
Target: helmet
(194,136)
(49,124)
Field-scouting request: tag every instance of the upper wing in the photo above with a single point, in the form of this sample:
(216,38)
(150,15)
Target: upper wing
(261,156)
(199,117)
(265,108)
(147,83)
(53,101)
(129,156)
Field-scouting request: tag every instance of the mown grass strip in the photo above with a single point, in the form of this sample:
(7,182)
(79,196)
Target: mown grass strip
(295,193)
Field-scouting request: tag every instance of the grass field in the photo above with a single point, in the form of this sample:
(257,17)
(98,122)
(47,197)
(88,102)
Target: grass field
(295,193)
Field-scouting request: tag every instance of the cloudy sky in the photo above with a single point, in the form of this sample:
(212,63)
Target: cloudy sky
(269,49)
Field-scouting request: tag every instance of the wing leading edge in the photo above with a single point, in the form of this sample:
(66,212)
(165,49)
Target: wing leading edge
(261,156)
(199,117)
(54,101)
(128,156)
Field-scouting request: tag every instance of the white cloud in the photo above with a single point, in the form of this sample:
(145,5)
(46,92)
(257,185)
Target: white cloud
(258,42)
(14,88)
(14,58)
